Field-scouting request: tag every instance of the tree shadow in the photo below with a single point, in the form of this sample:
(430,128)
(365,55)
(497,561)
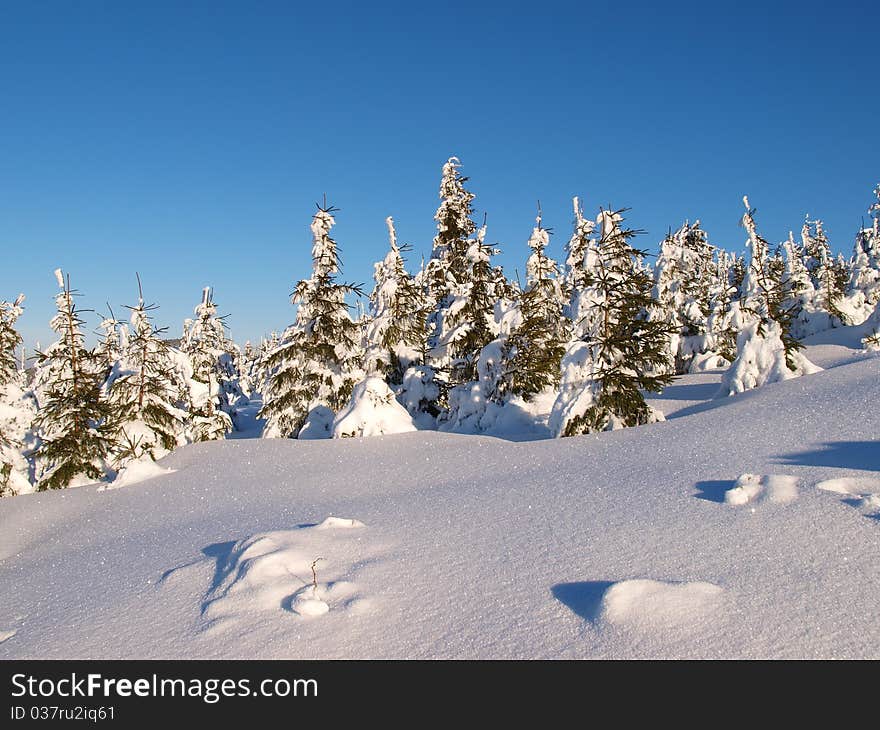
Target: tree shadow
(713,490)
(840,454)
(219,552)
(584,598)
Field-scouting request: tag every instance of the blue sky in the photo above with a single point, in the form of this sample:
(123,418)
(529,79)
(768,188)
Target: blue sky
(189,141)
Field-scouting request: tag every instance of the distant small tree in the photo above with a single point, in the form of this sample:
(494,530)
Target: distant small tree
(214,376)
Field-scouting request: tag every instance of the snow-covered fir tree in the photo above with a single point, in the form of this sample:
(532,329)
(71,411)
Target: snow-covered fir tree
(827,277)
(580,260)
(143,391)
(112,340)
(457,280)
(396,334)
(16,406)
(621,352)
(448,265)
(864,284)
(213,388)
(724,297)
(469,322)
(767,351)
(533,351)
(318,359)
(684,287)
(71,423)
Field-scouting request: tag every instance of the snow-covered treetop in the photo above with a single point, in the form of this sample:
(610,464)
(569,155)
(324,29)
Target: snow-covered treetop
(9,338)
(206,331)
(757,246)
(324,254)
(453,215)
(540,238)
(392,234)
(579,244)
(874,208)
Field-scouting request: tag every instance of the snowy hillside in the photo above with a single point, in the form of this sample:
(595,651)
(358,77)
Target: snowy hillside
(741,527)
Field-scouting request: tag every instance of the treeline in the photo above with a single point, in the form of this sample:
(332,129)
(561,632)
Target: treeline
(450,346)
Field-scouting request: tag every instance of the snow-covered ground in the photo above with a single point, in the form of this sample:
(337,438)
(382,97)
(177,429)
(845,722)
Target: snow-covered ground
(623,544)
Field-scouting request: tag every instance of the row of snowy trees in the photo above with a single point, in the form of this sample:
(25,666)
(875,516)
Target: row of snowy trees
(82,414)
(457,342)
(455,346)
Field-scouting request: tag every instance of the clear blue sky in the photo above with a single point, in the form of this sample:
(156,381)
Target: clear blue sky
(190,141)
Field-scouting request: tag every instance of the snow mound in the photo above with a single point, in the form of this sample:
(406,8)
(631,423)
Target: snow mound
(316,600)
(135,472)
(863,492)
(775,488)
(272,573)
(659,605)
(850,485)
(372,411)
(339,522)
(761,360)
(6,635)
(318,425)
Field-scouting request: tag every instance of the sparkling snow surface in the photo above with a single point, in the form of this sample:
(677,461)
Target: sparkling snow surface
(613,545)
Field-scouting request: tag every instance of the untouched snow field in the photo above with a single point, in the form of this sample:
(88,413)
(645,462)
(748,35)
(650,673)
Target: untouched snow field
(433,545)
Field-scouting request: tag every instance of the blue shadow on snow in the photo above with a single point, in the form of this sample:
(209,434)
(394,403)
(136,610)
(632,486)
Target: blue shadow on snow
(584,598)
(839,454)
(713,490)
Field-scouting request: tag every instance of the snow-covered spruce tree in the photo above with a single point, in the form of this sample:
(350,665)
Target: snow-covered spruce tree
(684,275)
(448,265)
(863,290)
(724,295)
(622,352)
(112,341)
(827,277)
(533,352)
(767,351)
(143,393)
(16,408)
(446,280)
(317,361)
(372,411)
(396,334)
(72,414)
(469,323)
(213,388)
(580,260)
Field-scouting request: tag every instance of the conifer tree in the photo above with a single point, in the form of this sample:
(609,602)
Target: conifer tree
(448,265)
(684,276)
(72,418)
(767,351)
(317,360)
(214,389)
(16,411)
(396,335)
(462,289)
(534,350)
(864,283)
(622,352)
(580,261)
(826,276)
(143,392)
(724,293)
(469,323)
